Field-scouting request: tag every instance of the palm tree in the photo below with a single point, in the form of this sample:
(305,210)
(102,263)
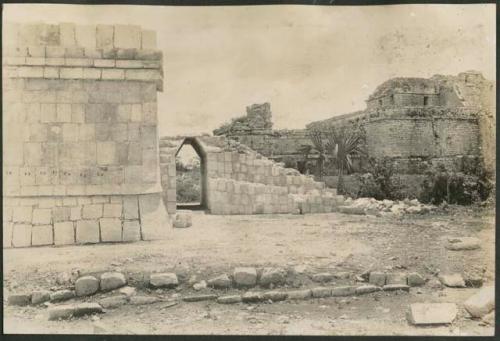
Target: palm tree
(317,140)
(342,144)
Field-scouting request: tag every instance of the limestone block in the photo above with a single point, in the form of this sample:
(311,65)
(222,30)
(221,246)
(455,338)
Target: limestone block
(71,73)
(22,214)
(104,63)
(50,72)
(87,231)
(60,214)
(112,74)
(111,229)
(7,234)
(148,40)
(91,73)
(129,64)
(86,285)
(64,233)
(163,280)
(143,75)
(30,72)
(75,213)
(154,218)
(21,235)
(104,36)
(245,276)
(85,36)
(106,153)
(432,313)
(67,34)
(112,280)
(131,231)
(482,302)
(130,207)
(42,235)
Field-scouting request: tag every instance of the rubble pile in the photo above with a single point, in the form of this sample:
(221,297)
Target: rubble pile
(371,206)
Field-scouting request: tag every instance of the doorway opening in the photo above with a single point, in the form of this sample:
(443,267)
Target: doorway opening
(190,176)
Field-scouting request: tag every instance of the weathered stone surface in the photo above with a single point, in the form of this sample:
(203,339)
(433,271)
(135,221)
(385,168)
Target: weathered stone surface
(366,289)
(19,299)
(396,287)
(183,219)
(154,219)
(92,211)
(252,296)
(275,295)
(131,231)
(127,291)
(299,294)
(112,280)
(163,280)
(245,277)
(41,235)
(220,282)
(489,318)
(229,299)
(86,285)
(351,210)
(396,278)
(482,302)
(87,231)
(415,279)
(111,229)
(197,298)
(61,295)
(274,276)
(452,280)
(322,277)
(463,243)
(73,310)
(42,216)
(21,235)
(64,233)
(113,301)
(200,285)
(40,296)
(343,291)
(432,313)
(141,300)
(377,278)
(321,292)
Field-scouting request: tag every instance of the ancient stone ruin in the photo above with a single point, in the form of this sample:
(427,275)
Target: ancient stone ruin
(81,160)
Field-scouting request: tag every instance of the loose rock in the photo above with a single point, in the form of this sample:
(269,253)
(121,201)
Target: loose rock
(321,292)
(275,296)
(377,278)
(73,310)
(197,298)
(183,219)
(41,296)
(396,287)
(160,280)
(61,295)
(19,299)
(366,289)
(127,291)
(415,279)
(274,276)
(252,296)
(322,277)
(452,280)
(220,282)
(463,243)
(112,280)
(299,294)
(113,301)
(343,291)
(482,302)
(432,313)
(200,285)
(140,300)
(86,285)
(245,277)
(229,299)
(396,278)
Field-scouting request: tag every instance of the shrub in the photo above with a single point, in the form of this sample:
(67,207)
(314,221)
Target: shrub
(380,182)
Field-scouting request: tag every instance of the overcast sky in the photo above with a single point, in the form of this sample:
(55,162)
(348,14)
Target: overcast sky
(309,62)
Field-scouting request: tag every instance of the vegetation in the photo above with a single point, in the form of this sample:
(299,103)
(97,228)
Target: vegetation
(188,181)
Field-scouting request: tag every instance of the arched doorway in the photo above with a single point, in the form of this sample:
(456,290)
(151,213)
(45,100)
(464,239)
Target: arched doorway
(191,180)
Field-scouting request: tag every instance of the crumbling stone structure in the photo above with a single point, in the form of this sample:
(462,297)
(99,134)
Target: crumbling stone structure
(81,155)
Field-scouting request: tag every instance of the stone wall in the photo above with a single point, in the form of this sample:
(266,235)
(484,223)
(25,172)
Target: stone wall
(80,133)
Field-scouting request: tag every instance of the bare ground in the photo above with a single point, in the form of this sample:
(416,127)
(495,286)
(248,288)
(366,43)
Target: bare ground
(331,242)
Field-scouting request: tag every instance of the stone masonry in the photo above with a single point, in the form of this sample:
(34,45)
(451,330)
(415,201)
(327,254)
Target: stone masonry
(81,155)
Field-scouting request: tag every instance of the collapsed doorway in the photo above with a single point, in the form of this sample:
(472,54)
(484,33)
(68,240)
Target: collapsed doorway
(191,184)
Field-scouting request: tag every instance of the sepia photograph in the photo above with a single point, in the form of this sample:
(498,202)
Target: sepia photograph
(314,169)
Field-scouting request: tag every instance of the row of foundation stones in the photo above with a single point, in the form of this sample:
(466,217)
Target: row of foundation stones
(478,306)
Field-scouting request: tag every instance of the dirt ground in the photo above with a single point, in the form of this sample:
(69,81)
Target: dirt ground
(331,242)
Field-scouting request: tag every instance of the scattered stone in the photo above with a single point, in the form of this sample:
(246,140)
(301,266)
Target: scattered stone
(321,292)
(245,277)
(452,280)
(229,299)
(482,302)
(343,291)
(432,313)
(73,310)
(299,294)
(86,285)
(252,296)
(366,289)
(220,282)
(113,301)
(342,275)
(275,296)
(127,291)
(200,285)
(61,295)
(377,278)
(273,276)
(322,277)
(395,278)
(197,298)
(415,279)
(183,219)
(112,280)
(351,210)
(19,299)
(160,280)
(141,300)
(40,296)
(435,284)
(396,287)
(463,243)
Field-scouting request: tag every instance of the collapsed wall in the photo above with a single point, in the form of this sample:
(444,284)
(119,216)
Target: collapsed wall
(241,181)
(81,156)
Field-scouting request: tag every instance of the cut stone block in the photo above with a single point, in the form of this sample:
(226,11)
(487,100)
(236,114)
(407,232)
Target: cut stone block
(198,298)
(127,36)
(432,313)
(343,291)
(377,278)
(183,219)
(154,219)
(86,285)
(112,280)
(67,311)
(42,235)
(93,211)
(482,302)
(229,299)
(220,282)
(127,291)
(463,243)
(245,277)
(396,278)
(396,287)
(112,211)
(322,277)
(64,233)
(7,234)
(21,235)
(163,280)
(452,280)
(61,295)
(42,216)
(19,299)
(113,301)
(415,279)
(22,214)
(111,229)
(321,292)
(273,276)
(131,231)
(252,296)
(275,296)
(87,231)
(104,36)
(41,296)
(367,289)
(299,294)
